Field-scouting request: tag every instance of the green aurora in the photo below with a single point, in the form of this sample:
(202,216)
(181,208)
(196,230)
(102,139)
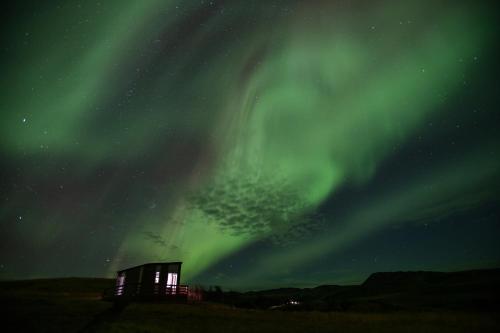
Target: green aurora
(201,130)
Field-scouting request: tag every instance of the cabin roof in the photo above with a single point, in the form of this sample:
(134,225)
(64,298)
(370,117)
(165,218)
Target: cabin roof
(150,263)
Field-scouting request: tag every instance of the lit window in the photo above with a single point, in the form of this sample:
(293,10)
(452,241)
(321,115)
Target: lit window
(157,277)
(172,283)
(172,279)
(120,284)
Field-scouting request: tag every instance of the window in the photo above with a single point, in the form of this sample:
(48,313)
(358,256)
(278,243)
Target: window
(120,284)
(171,283)
(157,277)
(172,279)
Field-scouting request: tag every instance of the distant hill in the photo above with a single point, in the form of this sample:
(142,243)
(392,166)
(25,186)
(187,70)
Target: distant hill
(386,291)
(420,279)
(73,286)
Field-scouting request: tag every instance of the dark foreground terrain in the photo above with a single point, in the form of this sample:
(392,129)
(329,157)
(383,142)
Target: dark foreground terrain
(386,302)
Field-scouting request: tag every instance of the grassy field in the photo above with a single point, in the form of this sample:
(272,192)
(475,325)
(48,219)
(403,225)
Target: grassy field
(216,318)
(74,305)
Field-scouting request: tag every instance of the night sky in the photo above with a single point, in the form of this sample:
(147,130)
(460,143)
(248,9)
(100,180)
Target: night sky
(262,143)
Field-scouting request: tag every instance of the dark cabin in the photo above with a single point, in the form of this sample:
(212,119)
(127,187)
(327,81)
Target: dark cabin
(153,281)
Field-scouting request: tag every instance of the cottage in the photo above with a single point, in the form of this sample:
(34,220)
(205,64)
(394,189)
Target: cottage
(153,281)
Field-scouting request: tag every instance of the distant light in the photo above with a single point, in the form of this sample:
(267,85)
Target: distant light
(157,277)
(24,120)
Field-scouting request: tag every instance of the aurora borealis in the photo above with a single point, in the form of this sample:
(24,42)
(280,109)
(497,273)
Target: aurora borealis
(262,143)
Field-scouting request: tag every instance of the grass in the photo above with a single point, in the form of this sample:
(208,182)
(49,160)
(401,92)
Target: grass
(217,318)
(72,305)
